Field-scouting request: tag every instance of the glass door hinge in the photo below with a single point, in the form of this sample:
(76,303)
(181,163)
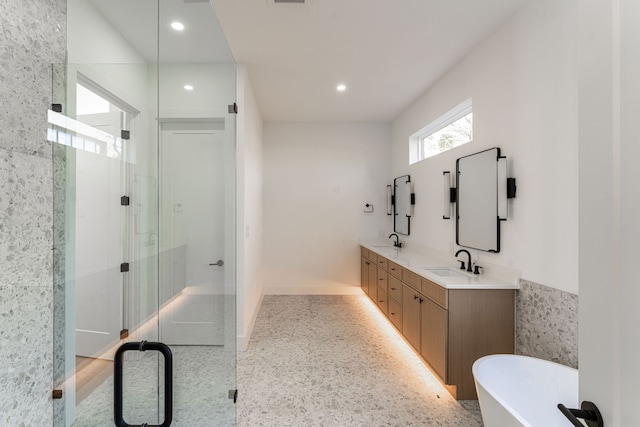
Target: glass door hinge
(233,394)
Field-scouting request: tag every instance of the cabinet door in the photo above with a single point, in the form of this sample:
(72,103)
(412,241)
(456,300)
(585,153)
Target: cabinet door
(364,274)
(373,280)
(434,337)
(411,316)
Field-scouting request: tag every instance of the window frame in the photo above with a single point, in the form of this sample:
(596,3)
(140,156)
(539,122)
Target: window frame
(456,113)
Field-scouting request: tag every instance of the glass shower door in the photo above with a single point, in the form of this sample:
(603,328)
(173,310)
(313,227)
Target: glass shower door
(106,274)
(144,193)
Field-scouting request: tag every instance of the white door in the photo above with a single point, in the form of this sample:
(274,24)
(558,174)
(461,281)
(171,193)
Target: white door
(609,208)
(192,235)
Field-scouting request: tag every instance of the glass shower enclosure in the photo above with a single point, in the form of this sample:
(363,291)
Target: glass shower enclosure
(143,135)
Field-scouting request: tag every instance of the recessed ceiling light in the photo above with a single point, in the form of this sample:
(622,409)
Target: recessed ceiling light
(341,88)
(188,87)
(178,26)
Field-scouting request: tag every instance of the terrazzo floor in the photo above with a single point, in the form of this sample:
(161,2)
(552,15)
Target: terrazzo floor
(335,361)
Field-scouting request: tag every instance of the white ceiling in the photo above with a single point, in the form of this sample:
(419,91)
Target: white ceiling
(387,52)
(143,22)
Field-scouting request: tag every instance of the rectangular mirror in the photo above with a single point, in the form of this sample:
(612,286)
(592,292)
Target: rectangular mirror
(402,205)
(477,219)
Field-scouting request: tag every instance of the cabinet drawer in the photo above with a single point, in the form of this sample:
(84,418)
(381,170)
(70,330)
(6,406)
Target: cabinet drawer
(382,301)
(395,314)
(382,262)
(382,279)
(411,278)
(435,292)
(394,269)
(395,289)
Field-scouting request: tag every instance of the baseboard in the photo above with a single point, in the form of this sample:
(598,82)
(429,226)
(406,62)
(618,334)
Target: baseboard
(242,341)
(313,290)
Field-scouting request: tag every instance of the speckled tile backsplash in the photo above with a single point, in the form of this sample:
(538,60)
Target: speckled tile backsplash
(547,323)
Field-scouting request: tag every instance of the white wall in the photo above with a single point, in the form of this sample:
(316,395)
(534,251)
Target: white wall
(317,179)
(609,208)
(523,82)
(249,227)
(87,29)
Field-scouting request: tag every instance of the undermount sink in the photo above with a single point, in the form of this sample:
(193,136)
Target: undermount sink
(445,272)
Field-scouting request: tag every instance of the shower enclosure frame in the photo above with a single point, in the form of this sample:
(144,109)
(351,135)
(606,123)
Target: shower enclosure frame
(148,84)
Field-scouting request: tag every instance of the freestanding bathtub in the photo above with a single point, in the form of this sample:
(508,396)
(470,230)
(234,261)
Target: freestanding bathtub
(516,391)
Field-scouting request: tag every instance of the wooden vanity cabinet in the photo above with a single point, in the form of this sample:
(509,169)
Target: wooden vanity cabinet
(364,274)
(381,299)
(369,272)
(395,314)
(411,315)
(382,262)
(382,302)
(395,289)
(394,293)
(434,328)
(481,322)
(394,270)
(449,328)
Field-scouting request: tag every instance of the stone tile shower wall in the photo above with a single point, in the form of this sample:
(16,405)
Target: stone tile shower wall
(33,38)
(547,323)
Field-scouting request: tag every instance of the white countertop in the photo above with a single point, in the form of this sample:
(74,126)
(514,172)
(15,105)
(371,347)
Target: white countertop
(420,264)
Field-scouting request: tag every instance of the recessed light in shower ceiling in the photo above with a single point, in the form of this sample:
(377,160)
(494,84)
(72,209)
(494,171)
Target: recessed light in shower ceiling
(178,26)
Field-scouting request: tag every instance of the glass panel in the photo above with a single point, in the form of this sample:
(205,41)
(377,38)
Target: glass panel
(97,238)
(197,212)
(128,71)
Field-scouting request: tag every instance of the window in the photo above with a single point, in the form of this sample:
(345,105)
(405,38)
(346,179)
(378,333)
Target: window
(448,131)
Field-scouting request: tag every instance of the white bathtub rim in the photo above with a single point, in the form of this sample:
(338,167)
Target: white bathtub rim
(495,395)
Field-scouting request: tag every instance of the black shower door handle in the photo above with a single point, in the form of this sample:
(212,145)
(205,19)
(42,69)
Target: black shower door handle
(168,381)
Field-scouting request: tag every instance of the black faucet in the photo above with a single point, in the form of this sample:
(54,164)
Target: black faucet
(462,262)
(397,243)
